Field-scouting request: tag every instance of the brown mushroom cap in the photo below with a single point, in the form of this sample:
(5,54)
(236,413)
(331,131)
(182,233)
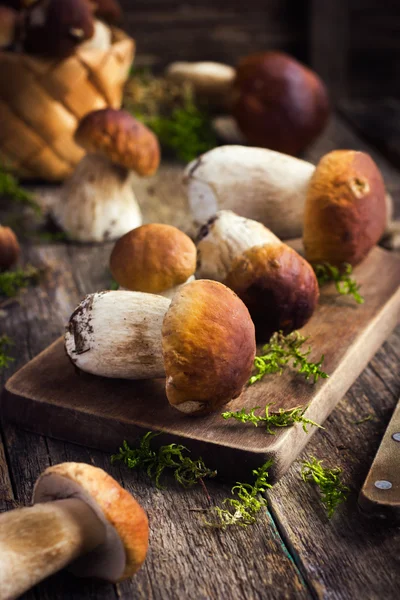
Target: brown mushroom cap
(108,499)
(122,139)
(208,347)
(153,258)
(108,10)
(345,210)
(63,25)
(278,102)
(9,248)
(278,287)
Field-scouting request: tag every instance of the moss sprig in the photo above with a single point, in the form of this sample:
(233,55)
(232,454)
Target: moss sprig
(275,419)
(284,350)
(241,510)
(328,480)
(5,344)
(187,472)
(11,189)
(11,282)
(344,283)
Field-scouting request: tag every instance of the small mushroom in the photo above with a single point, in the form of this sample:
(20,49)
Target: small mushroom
(276,284)
(97,203)
(101,39)
(253,182)
(153,258)
(212,82)
(346,209)
(81,518)
(203,342)
(9,248)
(9,20)
(279,103)
(108,10)
(54,28)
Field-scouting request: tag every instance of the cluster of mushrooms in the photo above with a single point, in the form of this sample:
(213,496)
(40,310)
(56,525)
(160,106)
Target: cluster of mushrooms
(192,312)
(55,28)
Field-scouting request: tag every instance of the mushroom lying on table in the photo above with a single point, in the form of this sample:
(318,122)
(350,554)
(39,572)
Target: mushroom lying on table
(204,342)
(153,258)
(9,248)
(253,182)
(97,203)
(277,285)
(80,517)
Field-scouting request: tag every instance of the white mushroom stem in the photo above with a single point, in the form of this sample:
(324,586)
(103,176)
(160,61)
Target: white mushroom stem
(256,183)
(101,39)
(38,541)
(118,334)
(97,203)
(224,238)
(170,293)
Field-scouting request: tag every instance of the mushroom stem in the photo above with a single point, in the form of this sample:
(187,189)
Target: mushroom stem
(97,203)
(38,541)
(225,237)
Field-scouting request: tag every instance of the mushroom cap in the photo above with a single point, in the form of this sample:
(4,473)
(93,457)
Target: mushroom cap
(153,258)
(9,248)
(208,347)
(121,138)
(109,10)
(345,210)
(278,102)
(278,287)
(57,27)
(111,503)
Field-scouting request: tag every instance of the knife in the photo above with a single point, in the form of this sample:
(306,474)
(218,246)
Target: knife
(380,494)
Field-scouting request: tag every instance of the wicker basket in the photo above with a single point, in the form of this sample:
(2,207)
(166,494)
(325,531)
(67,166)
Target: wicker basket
(42,101)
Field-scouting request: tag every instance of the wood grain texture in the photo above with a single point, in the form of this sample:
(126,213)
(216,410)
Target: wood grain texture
(346,558)
(49,396)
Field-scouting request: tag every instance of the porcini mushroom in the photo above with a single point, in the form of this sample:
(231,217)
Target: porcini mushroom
(101,39)
(203,342)
(97,203)
(153,258)
(279,103)
(54,28)
(9,248)
(276,284)
(346,209)
(253,182)
(80,517)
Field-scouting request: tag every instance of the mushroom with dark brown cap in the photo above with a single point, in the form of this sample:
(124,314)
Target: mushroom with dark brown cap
(276,284)
(97,203)
(153,258)
(345,210)
(203,342)
(55,27)
(279,103)
(81,518)
(9,248)
(108,10)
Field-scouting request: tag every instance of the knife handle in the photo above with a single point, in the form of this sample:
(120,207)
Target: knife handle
(380,494)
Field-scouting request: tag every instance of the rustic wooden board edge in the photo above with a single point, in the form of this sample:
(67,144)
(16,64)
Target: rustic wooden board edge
(44,418)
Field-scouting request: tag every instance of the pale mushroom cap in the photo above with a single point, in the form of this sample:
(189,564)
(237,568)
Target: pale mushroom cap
(107,498)
(153,258)
(208,346)
(121,138)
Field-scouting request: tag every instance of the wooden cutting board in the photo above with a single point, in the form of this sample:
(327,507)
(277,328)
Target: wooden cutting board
(50,397)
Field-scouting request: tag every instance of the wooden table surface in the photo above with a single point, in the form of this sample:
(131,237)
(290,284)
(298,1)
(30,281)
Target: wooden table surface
(294,550)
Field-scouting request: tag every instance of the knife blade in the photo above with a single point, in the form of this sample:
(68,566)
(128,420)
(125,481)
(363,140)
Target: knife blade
(380,494)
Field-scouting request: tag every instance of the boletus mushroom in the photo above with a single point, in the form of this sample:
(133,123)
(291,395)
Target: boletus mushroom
(153,258)
(55,27)
(97,203)
(203,342)
(345,210)
(276,284)
(81,518)
(253,182)
(9,248)
(279,103)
